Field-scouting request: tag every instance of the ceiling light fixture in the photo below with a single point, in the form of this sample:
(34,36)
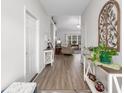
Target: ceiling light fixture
(78,26)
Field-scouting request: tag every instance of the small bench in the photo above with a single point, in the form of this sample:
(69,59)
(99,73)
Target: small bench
(21,87)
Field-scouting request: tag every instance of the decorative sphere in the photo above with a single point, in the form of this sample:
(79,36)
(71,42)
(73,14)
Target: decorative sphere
(99,86)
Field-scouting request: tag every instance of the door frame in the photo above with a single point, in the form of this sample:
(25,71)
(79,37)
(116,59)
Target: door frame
(37,40)
(53,29)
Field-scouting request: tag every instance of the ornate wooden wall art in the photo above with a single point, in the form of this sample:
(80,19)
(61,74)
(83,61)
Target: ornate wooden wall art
(109,25)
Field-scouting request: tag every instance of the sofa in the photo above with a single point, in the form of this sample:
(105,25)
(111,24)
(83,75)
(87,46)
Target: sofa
(67,50)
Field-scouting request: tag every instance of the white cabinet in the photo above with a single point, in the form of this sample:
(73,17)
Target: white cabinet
(48,56)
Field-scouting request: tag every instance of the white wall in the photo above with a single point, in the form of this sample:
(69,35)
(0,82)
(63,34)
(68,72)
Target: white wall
(61,34)
(90,25)
(13,37)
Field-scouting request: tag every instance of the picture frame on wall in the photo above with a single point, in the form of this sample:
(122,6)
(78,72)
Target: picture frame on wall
(109,25)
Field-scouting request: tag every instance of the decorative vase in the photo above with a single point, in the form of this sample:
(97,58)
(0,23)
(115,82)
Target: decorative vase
(105,57)
(99,86)
(92,77)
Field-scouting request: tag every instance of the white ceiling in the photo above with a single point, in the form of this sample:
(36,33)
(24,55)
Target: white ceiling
(64,7)
(68,23)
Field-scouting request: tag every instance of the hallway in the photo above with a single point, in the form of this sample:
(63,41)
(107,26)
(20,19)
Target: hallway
(61,46)
(66,74)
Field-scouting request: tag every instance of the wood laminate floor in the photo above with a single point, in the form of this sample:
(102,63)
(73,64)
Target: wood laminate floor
(64,91)
(65,74)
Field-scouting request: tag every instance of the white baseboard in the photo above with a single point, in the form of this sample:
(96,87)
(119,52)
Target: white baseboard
(38,74)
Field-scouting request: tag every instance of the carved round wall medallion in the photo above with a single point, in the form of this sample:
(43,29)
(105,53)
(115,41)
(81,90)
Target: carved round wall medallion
(109,25)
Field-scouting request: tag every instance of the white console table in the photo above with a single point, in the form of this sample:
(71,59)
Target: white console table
(107,76)
(48,56)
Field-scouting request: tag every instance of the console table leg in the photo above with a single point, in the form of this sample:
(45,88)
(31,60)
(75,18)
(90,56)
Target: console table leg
(110,84)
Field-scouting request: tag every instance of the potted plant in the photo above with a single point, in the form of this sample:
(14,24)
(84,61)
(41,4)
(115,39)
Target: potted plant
(103,54)
(95,54)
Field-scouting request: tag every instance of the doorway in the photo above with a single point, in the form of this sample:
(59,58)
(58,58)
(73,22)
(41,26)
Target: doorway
(66,74)
(31,45)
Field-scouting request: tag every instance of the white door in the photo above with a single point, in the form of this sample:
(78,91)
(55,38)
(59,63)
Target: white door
(31,43)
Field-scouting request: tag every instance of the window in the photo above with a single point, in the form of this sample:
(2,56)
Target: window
(69,40)
(74,40)
(79,40)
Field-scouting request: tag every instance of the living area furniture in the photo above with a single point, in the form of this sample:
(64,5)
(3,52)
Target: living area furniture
(48,56)
(21,87)
(75,46)
(58,50)
(109,77)
(67,50)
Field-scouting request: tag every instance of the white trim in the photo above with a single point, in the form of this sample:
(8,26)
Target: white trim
(38,44)
(84,63)
(38,74)
(0,44)
(37,38)
(110,85)
(25,43)
(117,85)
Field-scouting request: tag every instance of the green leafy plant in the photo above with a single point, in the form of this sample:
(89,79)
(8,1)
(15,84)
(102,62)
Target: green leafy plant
(103,54)
(95,54)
